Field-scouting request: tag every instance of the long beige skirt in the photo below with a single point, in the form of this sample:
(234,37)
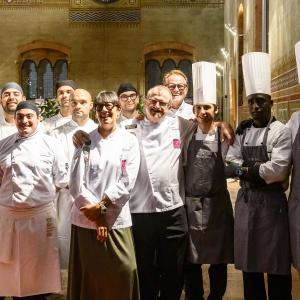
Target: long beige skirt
(102,271)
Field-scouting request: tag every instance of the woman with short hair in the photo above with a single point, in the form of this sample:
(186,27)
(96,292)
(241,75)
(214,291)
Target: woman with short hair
(102,259)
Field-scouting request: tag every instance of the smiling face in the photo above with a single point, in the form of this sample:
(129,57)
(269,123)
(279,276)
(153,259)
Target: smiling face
(205,113)
(128,101)
(158,103)
(63,96)
(177,84)
(107,115)
(10,99)
(26,121)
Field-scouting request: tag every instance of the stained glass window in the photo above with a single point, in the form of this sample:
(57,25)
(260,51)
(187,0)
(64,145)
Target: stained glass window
(39,81)
(185,66)
(60,71)
(29,79)
(45,80)
(153,74)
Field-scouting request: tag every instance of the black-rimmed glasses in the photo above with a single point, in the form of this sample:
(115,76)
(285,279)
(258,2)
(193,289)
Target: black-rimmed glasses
(108,106)
(131,97)
(180,86)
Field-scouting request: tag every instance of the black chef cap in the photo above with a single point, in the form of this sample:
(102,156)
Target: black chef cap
(11,85)
(126,87)
(27,105)
(66,82)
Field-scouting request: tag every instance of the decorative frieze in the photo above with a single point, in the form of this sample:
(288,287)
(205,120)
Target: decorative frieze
(22,3)
(284,81)
(182,3)
(105,16)
(104,4)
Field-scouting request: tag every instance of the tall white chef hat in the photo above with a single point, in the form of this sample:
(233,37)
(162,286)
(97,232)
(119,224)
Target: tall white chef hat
(204,82)
(257,73)
(297,53)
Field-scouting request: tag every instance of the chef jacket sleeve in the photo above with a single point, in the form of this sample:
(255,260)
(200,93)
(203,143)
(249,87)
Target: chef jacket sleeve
(234,154)
(77,184)
(60,167)
(278,167)
(294,123)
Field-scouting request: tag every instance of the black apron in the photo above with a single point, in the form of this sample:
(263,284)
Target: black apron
(294,204)
(208,204)
(261,235)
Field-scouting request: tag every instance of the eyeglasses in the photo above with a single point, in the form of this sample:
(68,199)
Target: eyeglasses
(131,97)
(108,106)
(180,86)
(154,102)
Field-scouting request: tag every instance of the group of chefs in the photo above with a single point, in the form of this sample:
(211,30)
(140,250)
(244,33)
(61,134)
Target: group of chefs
(133,205)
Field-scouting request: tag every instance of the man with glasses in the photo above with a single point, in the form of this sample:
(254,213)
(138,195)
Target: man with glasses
(177,82)
(156,203)
(158,214)
(128,100)
(81,105)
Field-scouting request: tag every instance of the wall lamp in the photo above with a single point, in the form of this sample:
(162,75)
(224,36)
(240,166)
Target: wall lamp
(231,29)
(224,53)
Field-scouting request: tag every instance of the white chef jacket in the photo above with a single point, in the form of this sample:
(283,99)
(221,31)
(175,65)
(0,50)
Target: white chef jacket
(125,120)
(184,111)
(160,186)
(279,146)
(112,170)
(30,170)
(294,123)
(65,134)
(6,129)
(55,121)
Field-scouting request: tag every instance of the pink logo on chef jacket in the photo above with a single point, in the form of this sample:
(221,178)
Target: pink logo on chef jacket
(176,144)
(123,165)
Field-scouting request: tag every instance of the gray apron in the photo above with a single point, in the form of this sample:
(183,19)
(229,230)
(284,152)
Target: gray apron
(208,204)
(294,204)
(261,234)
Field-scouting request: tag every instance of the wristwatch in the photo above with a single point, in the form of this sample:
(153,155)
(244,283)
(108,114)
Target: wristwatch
(102,208)
(240,172)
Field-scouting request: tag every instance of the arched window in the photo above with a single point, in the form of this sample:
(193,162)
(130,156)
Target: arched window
(41,65)
(29,79)
(168,65)
(45,80)
(153,73)
(60,70)
(163,57)
(185,66)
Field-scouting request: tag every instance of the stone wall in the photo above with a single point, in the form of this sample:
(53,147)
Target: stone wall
(104,54)
(284,32)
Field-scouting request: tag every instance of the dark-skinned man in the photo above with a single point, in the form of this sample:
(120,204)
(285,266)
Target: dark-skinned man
(260,157)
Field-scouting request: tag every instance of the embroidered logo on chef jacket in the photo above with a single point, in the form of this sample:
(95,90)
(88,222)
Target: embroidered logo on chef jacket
(176,143)
(50,227)
(131,128)
(123,166)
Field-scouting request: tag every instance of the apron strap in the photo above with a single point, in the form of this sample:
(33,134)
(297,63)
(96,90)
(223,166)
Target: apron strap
(267,131)
(265,138)
(219,143)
